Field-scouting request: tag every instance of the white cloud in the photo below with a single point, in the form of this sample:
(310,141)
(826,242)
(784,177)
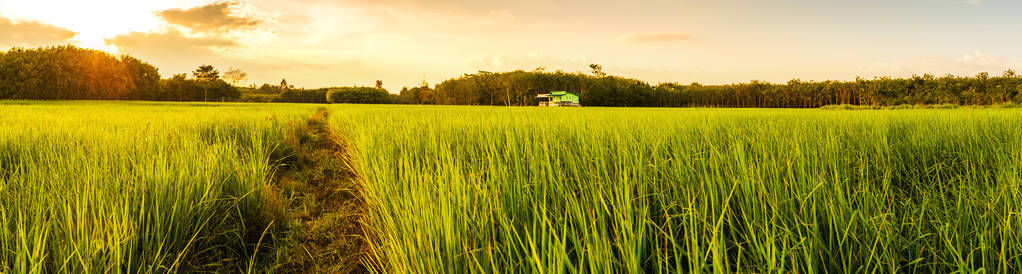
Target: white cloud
(508,62)
(969,63)
(655,37)
(31,33)
(979,59)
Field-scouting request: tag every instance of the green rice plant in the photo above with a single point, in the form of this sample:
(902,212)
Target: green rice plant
(154,187)
(93,187)
(582,190)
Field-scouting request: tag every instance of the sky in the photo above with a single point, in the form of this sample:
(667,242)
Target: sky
(320,43)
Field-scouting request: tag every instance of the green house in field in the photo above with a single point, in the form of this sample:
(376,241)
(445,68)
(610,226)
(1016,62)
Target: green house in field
(559,99)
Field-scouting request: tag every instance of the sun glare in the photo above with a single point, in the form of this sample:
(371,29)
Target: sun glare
(94,21)
(87,40)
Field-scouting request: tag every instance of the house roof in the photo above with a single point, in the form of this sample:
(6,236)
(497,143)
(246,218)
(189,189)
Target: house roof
(555,94)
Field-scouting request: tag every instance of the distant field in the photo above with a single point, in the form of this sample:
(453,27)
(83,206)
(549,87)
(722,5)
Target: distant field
(146,187)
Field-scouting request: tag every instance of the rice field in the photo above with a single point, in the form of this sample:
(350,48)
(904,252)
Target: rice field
(90,187)
(532,190)
(144,187)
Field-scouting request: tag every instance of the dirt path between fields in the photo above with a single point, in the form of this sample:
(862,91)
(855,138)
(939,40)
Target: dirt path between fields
(322,202)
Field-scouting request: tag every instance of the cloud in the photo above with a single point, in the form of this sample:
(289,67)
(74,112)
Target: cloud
(509,62)
(655,37)
(967,64)
(978,59)
(215,17)
(169,44)
(31,33)
(973,2)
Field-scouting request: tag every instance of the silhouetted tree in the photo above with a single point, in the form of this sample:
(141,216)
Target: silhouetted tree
(206,73)
(597,70)
(235,76)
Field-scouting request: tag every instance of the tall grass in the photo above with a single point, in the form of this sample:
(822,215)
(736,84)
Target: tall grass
(131,188)
(457,189)
(143,187)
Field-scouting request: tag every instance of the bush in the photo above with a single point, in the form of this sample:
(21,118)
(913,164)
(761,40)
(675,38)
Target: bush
(256,98)
(358,95)
(849,107)
(303,96)
(1009,105)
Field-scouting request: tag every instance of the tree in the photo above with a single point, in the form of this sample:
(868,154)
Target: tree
(73,73)
(597,70)
(235,76)
(179,88)
(267,88)
(144,77)
(358,95)
(206,73)
(379,84)
(207,86)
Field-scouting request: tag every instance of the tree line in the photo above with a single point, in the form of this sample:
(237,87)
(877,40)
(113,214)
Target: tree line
(333,95)
(519,88)
(72,73)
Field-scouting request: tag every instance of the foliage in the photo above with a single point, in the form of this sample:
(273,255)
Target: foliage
(519,88)
(138,187)
(206,73)
(317,96)
(209,88)
(145,77)
(256,98)
(235,76)
(599,190)
(71,73)
(417,96)
(358,95)
(269,89)
(169,187)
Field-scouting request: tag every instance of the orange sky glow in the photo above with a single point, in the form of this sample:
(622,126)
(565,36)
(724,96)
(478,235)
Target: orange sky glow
(317,43)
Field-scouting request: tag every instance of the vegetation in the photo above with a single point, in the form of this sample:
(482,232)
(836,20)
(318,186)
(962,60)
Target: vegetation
(66,73)
(206,85)
(104,187)
(519,88)
(70,73)
(355,95)
(454,190)
(166,187)
(324,206)
(316,96)
(333,95)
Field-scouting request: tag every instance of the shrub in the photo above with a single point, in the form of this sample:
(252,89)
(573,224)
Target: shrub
(358,95)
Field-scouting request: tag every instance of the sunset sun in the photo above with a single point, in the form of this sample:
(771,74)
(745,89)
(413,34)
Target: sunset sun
(93,21)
